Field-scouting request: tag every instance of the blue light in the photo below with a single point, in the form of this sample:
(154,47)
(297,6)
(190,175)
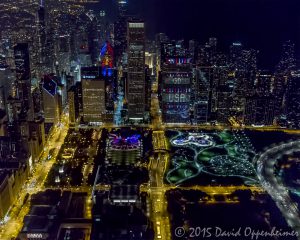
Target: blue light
(104,71)
(109,72)
(103,50)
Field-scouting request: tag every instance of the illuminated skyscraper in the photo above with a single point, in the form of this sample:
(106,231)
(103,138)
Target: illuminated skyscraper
(122,5)
(120,37)
(293,100)
(93,94)
(51,100)
(22,63)
(202,90)
(98,91)
(136,70)
(41,28)
(176,82)
(287,62)
(259,110)
(235,57)
(264,83)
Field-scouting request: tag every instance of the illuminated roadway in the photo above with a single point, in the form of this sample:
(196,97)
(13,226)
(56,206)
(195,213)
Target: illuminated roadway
(157,167)
(280,194)
(35,183)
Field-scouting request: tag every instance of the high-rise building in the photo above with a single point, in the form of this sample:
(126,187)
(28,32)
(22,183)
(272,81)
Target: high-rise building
(42,37)
(278,91)
(292,100)
(93,94)
(122,6)
(176,91)
(71,104)
(193,47)
(202,90)
(235,57)
(120,38)
(98,86)
(245,71)
(51,100)
(264,83)
(136,70)
(287,62)
(259,110)
(23,79)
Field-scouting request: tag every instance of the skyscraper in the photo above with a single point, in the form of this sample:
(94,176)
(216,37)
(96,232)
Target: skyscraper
(236,55)
(176,81)
(122,6)
(51,100)
(23,80)
(93,94)
(120,37)
(293,100)
(136,69)
(259,110)
(202,89)
(287,62)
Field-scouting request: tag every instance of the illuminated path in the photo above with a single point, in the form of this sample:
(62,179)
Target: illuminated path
(279,193)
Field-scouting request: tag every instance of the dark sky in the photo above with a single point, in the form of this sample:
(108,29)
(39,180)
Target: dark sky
(260,24)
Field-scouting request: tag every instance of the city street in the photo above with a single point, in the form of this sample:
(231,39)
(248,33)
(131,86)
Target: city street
(35,183)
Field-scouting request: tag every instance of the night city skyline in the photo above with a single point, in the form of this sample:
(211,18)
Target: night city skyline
(149,119)
(258,24)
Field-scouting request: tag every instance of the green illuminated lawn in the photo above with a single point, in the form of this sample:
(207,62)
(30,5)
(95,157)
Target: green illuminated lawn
(214,154)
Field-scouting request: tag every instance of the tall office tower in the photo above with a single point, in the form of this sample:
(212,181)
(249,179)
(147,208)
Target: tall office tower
(204,55)
(193,47)
(150,56)
(136,70)
(93,94)
(36,138)
(224,107)
(102,27)
(7,78)
(264,83)
(259,110)
(63,54)
(160,38)
(96,35)
(278,91)
(78,95)
(287,62)
(219,83)
(213,42)
(122,6)
(23,78)
(292,100)
(120,38)
(109,74)
(120,32)
(51,100)
(202,93)
(41,31)
(72,105)
(235,57)
(148,79)
(176,91)
(245,73)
